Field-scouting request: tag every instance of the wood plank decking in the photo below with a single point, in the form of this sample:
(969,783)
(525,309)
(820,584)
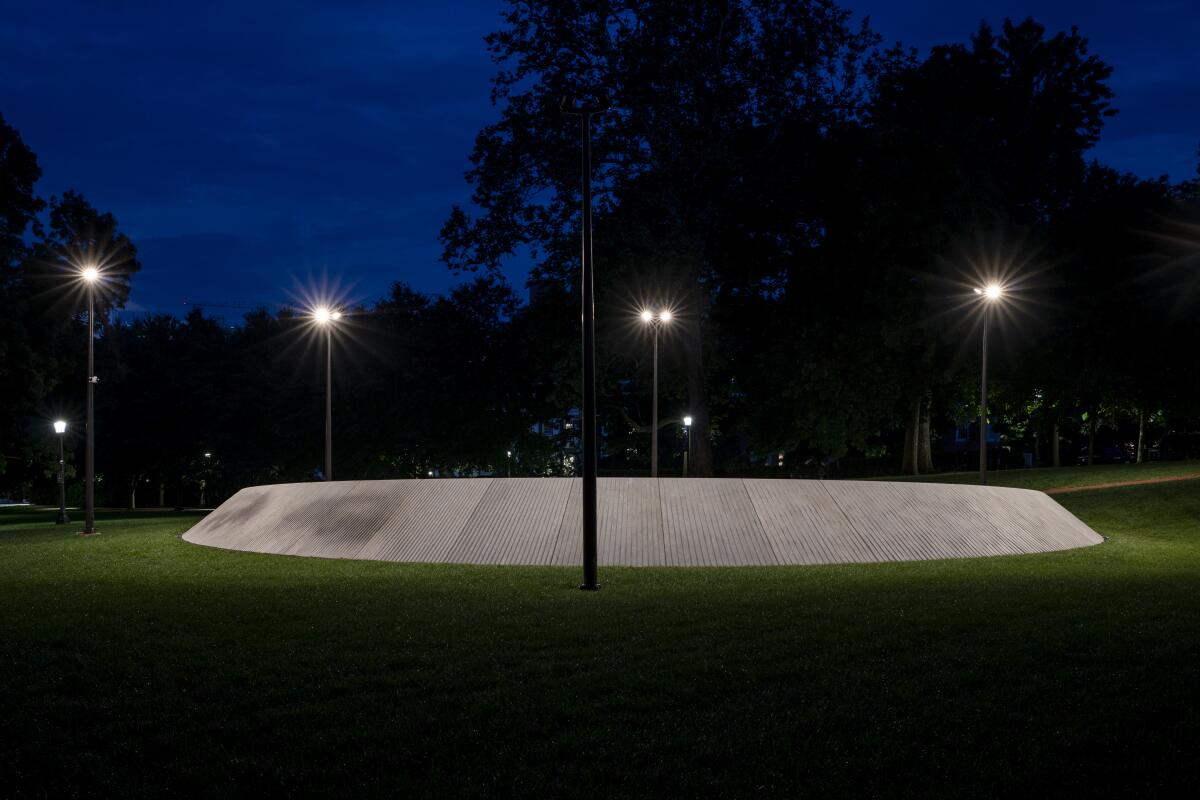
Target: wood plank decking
(643,522)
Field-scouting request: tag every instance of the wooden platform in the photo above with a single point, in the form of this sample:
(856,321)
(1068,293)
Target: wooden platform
(643,522)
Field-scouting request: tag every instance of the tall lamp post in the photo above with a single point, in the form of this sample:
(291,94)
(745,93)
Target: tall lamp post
(989,294)
(60,427)
(585,112)
(326,317)
(687,442)
(90,276)
(655,321)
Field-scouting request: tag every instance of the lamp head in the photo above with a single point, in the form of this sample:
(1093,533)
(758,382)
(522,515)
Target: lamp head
(60,426)
(687,422)
(322,315)
(90,274)
(652,317)
(993,291)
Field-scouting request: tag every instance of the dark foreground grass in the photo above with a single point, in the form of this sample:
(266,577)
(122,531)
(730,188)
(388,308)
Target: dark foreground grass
(137,664)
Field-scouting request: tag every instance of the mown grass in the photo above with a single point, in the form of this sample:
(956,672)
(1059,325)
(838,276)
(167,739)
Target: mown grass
(1059,477)
(137,664)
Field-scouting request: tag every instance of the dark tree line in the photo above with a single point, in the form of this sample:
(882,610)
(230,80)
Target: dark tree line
(815,208)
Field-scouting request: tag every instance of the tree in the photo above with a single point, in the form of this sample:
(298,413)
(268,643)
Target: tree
(696,90)
(972,154)
(22,369)
(40,297)
(19,206)
(78,235)
(1104,352)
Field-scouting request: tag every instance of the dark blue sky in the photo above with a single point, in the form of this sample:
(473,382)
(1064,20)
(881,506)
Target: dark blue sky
(247,147)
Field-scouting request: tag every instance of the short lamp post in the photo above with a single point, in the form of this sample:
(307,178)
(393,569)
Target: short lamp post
(508,454)
(687,443)
(204,477)
(655,320)
(990,294)
(325,317)
(60,427)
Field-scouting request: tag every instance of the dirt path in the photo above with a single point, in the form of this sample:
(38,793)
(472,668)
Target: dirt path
(1087,487)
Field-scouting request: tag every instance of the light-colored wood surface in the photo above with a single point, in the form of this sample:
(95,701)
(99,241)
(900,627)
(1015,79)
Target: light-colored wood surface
(642,522)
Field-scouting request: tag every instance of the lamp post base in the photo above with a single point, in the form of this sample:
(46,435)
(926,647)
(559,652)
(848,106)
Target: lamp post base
(589,587)
(92,532)
(63,519)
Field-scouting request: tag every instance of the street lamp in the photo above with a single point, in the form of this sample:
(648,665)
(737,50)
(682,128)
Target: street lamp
(90,276)
(508,453)
(60,427)
(989,294)
(326,317)
(655,321)
(687,447)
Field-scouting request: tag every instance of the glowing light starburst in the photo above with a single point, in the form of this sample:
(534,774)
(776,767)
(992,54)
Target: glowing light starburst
(660,317)
(321,300)
(995,277)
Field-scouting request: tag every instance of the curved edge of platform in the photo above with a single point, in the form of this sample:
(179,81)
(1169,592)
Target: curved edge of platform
(642,521)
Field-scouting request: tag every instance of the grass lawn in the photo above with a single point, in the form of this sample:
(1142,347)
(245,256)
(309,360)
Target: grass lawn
(1053,478)
(137,664)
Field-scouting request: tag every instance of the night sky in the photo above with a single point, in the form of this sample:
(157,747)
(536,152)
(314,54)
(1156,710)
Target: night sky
(249,148)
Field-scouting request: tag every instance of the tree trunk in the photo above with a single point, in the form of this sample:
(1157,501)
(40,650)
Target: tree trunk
(162,493)
(1054,456)
(924,445)
(1091,438)
(912,435)
(133,494)
(700,464)
(1141,432)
